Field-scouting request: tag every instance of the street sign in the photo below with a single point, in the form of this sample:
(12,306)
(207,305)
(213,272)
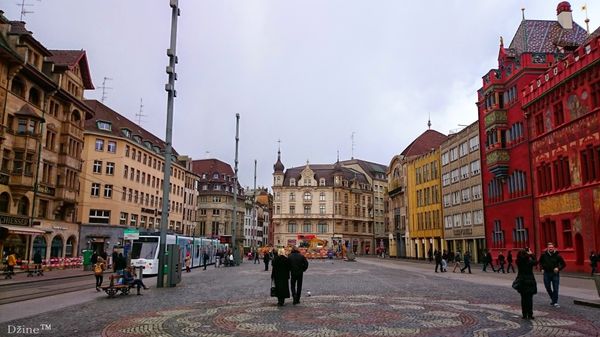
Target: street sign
(131,234)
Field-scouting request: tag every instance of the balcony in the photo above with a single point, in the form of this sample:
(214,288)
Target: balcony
(496,119)
(66,194)
(26,141)
(66,160)
(73,130)
(497,161)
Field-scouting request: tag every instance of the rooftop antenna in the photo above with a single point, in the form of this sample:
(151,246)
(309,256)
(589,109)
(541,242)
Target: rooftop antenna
(104,88)
(429,122)
(207,153)
(140,114)
(23,6)
(587,20)
(352,137)
(338,155)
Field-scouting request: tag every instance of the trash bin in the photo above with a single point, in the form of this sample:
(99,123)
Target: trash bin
(87,259)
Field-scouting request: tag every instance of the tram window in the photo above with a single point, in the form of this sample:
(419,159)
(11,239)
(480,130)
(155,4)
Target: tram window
(144,250)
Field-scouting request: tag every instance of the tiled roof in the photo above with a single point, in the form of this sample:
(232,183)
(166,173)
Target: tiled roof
(369,167)
(427,141)
(210,167)
(594,34)
(18,28)
(118,123)
(543,36)
(324,171)
(26,110)
(68,59)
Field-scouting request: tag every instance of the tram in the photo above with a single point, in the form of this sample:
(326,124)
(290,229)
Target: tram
(144,251)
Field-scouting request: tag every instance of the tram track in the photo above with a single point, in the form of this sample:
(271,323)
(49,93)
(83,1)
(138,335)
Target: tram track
(17,292)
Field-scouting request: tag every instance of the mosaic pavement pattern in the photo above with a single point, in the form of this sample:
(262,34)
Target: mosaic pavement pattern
(349,316)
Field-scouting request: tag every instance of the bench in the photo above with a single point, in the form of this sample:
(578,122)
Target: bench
(113,289)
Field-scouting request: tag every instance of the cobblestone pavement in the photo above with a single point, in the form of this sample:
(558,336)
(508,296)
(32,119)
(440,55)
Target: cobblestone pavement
(366,298)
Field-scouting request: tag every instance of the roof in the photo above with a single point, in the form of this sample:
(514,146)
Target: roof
(68,59)
(545,36)
(118,123)
(428,140)
(325,171)
(594,34)
(18,28)
(210,167)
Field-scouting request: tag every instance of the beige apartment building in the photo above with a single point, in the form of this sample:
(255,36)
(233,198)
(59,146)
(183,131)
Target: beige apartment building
(122,181)
(461,190)
(190,198)
(215,201)
(41,138)
(397,201)
(327,202)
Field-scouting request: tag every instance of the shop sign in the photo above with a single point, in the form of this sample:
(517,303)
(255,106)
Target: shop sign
(13,220)
(131,234)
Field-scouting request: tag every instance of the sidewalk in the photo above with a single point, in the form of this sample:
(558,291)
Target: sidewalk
(21,277)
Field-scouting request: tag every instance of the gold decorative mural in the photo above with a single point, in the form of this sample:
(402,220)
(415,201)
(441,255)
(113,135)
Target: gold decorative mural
(564,203)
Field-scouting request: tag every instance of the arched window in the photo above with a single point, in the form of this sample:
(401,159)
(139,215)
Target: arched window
(76,117)
(57,246)
(40,244)
(23,208)
(18,87)
(69,246)
(4,202)
(35,97)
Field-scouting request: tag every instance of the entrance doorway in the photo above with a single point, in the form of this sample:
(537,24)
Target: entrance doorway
(579,255)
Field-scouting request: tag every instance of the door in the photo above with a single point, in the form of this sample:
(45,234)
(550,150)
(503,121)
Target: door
(579,255)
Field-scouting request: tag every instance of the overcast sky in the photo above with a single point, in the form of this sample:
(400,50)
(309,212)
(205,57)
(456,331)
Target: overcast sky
(308,72)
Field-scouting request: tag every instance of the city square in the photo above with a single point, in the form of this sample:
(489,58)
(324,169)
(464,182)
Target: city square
(370,297)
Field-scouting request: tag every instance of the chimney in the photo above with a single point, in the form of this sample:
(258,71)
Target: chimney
(565,15)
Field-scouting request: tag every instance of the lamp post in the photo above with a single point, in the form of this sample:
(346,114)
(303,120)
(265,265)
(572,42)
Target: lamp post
(170,88)
(235,189)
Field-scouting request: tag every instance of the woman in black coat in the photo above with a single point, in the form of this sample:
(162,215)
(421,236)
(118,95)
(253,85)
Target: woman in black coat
(280,274)
(527,284)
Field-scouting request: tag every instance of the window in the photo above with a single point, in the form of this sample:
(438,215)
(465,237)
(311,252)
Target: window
(567,233)
(456,198)
(133,221)
(465,194)
(95,190)
(111,146)
(539,123)
(110,168)
(446,179)
(126,132)
(548,231)
(559,116)
(99,216)
(448,221)
(292,209)
(125,171)
(447,200)
(496,190)
(292,227)
(292,182)
(478,217)
(322,182)
(105,126)
(466,218)
(322,228)
(307,196)
(108,191)
(322,209)
(454,176)
(475,167)
(322,196)
(307,209)
(463,149)
(445,158)
(544,178)
(307,227)
(497,235)
(453,154)
(457,220)
(520,233)
(43,208)
(464,172)
(97,168)
(99,144)
(562,174)
(590,163)
(292,196)
(517,184)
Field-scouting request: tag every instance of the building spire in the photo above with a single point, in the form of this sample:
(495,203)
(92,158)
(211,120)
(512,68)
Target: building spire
(278,167)
(429,122)
(587,20)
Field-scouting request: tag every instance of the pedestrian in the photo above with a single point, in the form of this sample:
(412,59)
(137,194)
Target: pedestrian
(188,263)
(115,258)
(552,263)
(298,265)
(501,261)
(205,258)
(509,260)
(99,268)
(430,255)
(37,263)
(103,255)
(487,259)
(266,259)
(467,261)
(527,285)
(130,279)
(280,274)
(256,257)
(593,262)
(444,261)
(121,262)
(457,260)
(11,262)
(217,259)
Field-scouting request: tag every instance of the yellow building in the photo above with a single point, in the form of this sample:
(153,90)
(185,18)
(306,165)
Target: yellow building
(41,136)
(424,190)
(122,181)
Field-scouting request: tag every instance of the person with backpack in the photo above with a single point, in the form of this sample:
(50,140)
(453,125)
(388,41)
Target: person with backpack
(99,268)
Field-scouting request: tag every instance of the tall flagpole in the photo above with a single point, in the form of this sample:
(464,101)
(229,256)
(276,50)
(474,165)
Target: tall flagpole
(236,255)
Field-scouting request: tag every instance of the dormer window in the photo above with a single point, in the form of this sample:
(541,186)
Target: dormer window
(215,175)
(148,145)
(156,149)
(322,182)
(105,126)
(126,132)
(137,139)
(292,182)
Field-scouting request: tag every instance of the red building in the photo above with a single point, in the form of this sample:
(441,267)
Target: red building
(562,107)
(508,194)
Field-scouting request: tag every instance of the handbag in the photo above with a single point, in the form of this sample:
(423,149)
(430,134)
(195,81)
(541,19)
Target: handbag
(516,284)
(273,292)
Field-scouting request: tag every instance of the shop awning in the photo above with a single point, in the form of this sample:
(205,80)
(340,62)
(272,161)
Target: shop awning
(23,230)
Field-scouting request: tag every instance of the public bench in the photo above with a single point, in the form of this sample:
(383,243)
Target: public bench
(113,289)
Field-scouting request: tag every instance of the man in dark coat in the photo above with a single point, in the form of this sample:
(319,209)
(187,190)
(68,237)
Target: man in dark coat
(94,258)
(527,286)
(266,259)
(552,263)
(280,274)
(467,260)
(298,265)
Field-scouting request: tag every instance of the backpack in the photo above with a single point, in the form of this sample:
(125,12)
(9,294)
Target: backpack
(98,269)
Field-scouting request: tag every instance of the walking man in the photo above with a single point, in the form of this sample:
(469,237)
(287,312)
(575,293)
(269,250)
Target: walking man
(501,262)
(509,259)
(457,260)
(438,261)
(266,259)
(205,258)
(467,260)
(593,262)
(552,263)
(487,259)
(298,265)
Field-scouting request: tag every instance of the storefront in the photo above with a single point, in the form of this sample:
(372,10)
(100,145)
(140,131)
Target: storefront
(16,239)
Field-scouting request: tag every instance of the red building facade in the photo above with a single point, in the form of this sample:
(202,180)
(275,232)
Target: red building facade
(506,168)
(562,107)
